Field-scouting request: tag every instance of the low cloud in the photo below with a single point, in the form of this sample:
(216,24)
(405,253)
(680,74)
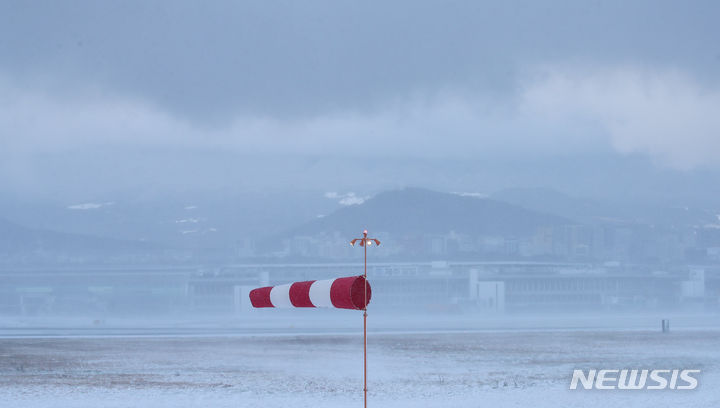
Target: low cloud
(662,113)
(89,206)
(665,114)
(347,198)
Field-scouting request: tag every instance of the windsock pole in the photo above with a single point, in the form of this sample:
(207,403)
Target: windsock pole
(341,293)
(365,326)
(365,242)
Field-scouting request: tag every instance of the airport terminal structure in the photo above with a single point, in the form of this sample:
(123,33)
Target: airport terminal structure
(440,286)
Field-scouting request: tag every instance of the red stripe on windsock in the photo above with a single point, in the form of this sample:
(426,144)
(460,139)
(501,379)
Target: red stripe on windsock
(345,293)
(300,294)
(349,293)
(260,297)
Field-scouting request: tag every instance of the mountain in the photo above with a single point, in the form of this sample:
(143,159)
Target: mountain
(17,241)
(590,211)
(420,211)
(203,221)
(555,202)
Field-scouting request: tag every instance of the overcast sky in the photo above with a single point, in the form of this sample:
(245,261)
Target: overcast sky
(182,93)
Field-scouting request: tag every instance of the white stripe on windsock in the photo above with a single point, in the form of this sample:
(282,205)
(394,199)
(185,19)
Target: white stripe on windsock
(280,295)
(341,293)
(320,293)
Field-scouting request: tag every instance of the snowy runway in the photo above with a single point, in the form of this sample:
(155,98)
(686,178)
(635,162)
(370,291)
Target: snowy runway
(519,368)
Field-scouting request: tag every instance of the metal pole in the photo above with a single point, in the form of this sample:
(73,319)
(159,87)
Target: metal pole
(365,323)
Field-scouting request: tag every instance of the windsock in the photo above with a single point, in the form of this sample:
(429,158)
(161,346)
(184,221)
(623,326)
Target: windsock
(343,293)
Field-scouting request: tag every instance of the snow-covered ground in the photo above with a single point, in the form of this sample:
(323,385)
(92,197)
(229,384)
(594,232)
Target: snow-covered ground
(444,369)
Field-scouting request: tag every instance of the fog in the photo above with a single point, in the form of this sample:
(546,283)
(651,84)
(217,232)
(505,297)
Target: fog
(528,167)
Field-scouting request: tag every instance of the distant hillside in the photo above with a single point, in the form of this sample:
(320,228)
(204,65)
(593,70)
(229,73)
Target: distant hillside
(186,221)
(413,210)
(590,211)
(16,239)
(555,202)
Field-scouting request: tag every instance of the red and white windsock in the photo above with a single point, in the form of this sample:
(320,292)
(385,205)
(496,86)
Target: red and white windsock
(343,293)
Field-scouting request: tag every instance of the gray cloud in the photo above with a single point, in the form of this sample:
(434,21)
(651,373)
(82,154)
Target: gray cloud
(560,109)
(664,113)
(212,61)
(181,94)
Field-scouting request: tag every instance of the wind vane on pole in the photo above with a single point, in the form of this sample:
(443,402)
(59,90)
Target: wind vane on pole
(365,242)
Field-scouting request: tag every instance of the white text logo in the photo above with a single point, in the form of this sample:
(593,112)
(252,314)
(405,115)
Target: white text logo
(635,379)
